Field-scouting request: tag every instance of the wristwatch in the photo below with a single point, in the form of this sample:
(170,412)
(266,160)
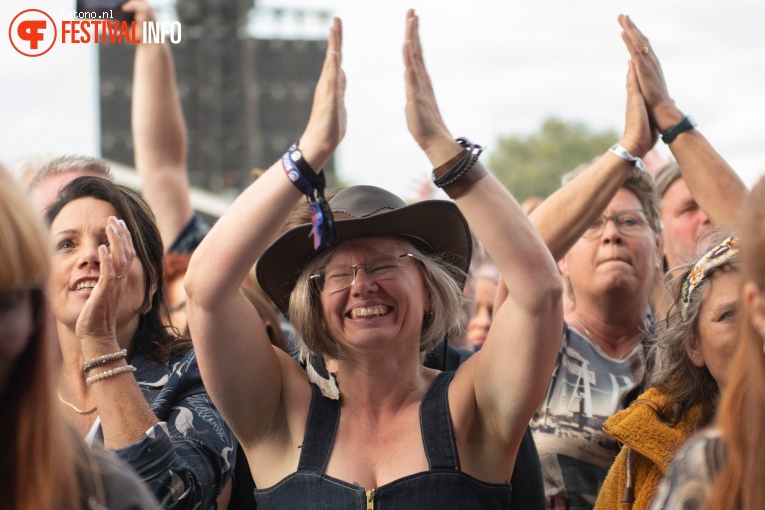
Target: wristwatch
(685,124)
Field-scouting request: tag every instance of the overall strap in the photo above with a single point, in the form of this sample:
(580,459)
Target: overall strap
(436,425)
(323,417)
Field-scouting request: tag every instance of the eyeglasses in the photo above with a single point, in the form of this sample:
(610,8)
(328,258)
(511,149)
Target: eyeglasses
(628,223)
(335,279)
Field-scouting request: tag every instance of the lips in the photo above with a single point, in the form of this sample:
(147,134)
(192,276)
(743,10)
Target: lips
(613,259)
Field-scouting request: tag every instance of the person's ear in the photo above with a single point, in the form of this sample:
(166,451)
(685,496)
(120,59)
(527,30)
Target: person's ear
(659,252)
(755,305)
(563,267)
(694,352)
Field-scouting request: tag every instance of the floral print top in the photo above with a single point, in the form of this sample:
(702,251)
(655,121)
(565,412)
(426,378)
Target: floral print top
(189,456)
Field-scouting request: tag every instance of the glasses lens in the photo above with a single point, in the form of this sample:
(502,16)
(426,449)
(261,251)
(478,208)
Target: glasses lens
(338,278)
(631,223)
(596,228)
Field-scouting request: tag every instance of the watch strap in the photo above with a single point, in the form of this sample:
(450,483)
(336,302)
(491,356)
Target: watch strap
(686,123)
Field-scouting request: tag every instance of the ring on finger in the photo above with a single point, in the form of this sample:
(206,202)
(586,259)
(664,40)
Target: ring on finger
(120,277)
(645,50)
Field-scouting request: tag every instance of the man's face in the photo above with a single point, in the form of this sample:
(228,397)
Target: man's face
(684,222)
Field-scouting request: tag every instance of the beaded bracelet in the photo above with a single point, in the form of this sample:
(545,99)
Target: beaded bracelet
(109,373)
(459,168)
(462,171)
(90,364)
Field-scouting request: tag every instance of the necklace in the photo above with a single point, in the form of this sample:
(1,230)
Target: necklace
(76,410)
(586,331)
(592,341)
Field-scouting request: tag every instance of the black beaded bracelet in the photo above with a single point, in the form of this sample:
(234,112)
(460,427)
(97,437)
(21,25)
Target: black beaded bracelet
(470,155)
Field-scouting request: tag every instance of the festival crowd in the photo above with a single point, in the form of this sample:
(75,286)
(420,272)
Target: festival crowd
(345,349)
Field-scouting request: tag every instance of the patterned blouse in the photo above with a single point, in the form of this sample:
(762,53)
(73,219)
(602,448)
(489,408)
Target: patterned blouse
(689,480)
(189,456)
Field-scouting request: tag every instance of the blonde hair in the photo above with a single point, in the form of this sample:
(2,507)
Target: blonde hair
(440,280)
(46,465)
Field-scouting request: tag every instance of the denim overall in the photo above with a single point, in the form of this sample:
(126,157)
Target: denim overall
(443,486)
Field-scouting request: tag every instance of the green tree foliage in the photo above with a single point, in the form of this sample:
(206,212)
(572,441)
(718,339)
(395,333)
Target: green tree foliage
(533,165)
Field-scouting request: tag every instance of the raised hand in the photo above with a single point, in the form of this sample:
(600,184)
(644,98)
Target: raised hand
(98,318)
(422,115)
(142,11)
(326,125)
(661,108)
(639,134)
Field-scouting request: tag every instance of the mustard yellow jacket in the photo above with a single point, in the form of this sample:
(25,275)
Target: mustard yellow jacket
(649,445)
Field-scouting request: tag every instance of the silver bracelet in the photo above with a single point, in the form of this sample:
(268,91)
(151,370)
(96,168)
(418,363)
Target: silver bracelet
(109,373)
(626,156)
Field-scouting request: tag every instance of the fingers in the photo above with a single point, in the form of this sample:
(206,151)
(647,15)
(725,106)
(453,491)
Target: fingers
(334,56)
(118,256)
(637,43)
(336,39)
(633,86)
(142,10)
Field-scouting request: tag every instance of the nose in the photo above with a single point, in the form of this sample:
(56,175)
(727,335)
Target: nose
(703,218)
(611,233)
(481,318)
(89,255)
(361,279)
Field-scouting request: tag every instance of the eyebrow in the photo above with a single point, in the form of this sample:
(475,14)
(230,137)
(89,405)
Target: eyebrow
(67,231)
(726,305)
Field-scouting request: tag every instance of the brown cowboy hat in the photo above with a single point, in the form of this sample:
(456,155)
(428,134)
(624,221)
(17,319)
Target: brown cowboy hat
(435,226)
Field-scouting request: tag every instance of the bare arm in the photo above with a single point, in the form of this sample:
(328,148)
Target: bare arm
(563,217)
(245,376)
(715,186)
(125,415)
(159,132)
(522,343)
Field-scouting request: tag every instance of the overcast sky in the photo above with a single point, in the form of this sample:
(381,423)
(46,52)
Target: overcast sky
(498,68)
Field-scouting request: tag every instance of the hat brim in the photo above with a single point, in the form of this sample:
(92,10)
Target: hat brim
(437,224)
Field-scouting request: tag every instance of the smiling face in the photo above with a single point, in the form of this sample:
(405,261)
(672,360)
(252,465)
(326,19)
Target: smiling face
(76,233)
(684,222)
(375,312)
(717,325)
(613,263)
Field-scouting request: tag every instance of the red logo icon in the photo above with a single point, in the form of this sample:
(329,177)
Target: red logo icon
(32,32)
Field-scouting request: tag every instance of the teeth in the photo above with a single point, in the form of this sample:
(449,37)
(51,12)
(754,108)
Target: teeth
(372,311)
(88,284)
